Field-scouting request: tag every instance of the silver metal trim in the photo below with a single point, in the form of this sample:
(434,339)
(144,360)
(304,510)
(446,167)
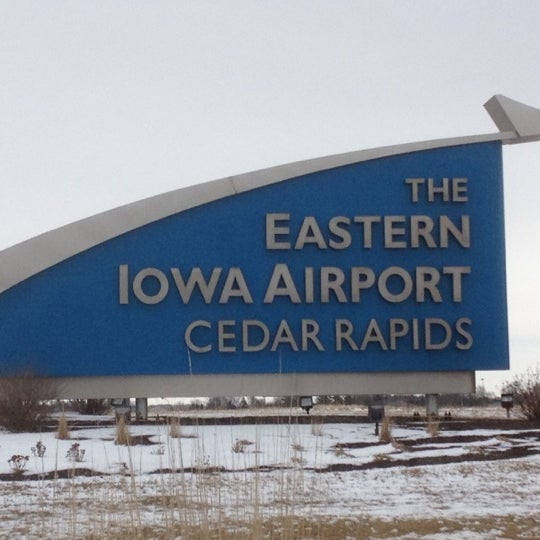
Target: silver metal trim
(510,115)
(23,260)
(290,384)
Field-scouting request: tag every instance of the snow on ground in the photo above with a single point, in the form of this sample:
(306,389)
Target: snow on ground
(236,473)
(232,447)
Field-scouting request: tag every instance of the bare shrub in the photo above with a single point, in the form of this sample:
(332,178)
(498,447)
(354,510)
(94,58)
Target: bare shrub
(18,463)
(39,449)
(23,401)
(526,390)
(239,446)
(159,451)
(75,453)
(94,407)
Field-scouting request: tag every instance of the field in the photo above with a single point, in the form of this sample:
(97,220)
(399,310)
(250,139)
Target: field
(289,477)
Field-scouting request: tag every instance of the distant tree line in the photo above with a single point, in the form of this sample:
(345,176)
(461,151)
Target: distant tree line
(26,400)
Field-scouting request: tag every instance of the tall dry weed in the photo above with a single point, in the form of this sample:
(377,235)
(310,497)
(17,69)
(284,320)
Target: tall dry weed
(62,431)
(317,428)
(175,431)
(386,430)
(433,426)
(122,432)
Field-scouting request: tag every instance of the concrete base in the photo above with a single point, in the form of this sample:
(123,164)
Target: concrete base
(289,384)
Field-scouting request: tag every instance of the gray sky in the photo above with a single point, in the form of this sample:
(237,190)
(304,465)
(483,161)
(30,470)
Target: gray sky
(106,102)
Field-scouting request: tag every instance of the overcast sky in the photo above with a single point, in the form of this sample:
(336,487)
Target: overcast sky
(106,102)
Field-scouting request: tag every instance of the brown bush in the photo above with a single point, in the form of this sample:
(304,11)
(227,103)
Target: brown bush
(23,401)
(526,390)
(90,406)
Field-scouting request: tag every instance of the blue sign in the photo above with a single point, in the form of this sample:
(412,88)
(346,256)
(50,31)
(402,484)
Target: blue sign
(387,265)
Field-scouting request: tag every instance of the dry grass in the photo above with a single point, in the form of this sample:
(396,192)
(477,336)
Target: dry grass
(122,432)
(62,431)
(192,507)
(283,505)
(175,431)
(328,528)
(317,428)
(386,430)
(433,426)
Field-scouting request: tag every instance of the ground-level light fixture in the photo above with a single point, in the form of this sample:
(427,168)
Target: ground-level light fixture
(306,403)
(376,414)
(507,402)
(122,407)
